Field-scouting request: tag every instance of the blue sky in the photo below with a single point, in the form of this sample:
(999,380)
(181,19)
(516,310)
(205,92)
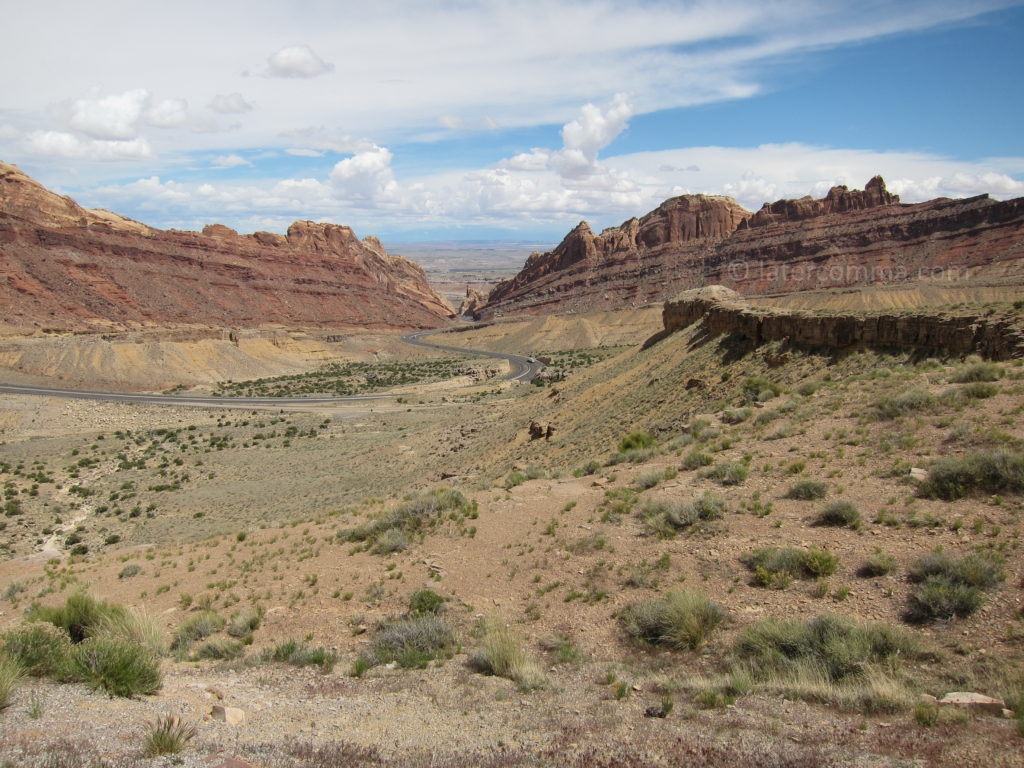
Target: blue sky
(508,119)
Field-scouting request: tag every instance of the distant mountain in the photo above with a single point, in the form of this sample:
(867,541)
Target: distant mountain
(849,238)
(68,268)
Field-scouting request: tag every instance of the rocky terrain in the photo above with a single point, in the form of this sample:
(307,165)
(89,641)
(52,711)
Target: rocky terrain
(850,238)
(66,268)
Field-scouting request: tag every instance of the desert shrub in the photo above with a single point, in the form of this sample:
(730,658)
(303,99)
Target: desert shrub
(134,626)
(680,620)
(391,540)
(808,388)
(10,674)
(760,389)
(767,417)
(900,404)
(167,735)
(411,515)
(650,479)
(300,655)
(840,512)
(735,415)
(696,460)
(425,601)
(244,621)
(993,471)
(220,649)
(807,490)
(411,642)
(727,473)
(635,440)
(501,653)
(39,649)
(776,567)
(80,615)
(514,478)
(837,646)
(948,588)
(117,666)
(878,563)
(199,626)
(589,468)
(664,517)
(977,372)
(980,390)
(132,569)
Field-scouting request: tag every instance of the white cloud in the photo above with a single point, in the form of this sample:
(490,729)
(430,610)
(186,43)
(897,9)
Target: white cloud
(297,61)
(111,117)
(230,104)
(8,132)
(169,113)
(366,176)
(303,152)
(66,145)
(588,134)
(230,161)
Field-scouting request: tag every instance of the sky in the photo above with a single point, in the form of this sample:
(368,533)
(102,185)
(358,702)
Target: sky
(503,119)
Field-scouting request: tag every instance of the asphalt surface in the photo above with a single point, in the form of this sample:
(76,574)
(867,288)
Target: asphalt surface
(521,369)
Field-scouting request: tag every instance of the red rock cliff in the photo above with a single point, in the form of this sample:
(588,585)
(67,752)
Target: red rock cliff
(62,266)
(848,238)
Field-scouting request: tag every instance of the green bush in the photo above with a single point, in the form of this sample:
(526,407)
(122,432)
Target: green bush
(696,459)
(132,569)
(991,471)
(680,620)
(877,564)
(818,562)
(245,621)
(980,390)
(903,403)
(197,627)
(948,588)
(807,490)
(635,440)
(760,389)
(664,517)
(220,649)
(10,674)
(978,372)
(411,642)
(776,567)
(80,616)
(300,655)
(425,601)
(735,415)
(117,666)
(840,513)
(589,468)
(728,473)
(838,646)
(411,515)
(39,649)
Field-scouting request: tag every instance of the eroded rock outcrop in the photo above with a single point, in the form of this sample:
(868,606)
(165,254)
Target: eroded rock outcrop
(63,266)
(848,238)
(723,312)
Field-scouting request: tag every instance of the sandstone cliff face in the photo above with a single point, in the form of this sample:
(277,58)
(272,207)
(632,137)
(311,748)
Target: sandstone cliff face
(65,267)
(721,311)
(849,238)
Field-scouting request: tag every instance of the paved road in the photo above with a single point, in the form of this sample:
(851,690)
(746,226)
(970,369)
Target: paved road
(522,369)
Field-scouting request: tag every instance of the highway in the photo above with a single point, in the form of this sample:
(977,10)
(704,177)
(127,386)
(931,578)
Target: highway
(521,369)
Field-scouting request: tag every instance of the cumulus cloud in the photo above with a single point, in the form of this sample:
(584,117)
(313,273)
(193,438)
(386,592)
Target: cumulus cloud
(297,61)
(67,145)
(591,132)
(304,152)
(169,113)
(230,104)
(111,117)
(230,161)
(366,175)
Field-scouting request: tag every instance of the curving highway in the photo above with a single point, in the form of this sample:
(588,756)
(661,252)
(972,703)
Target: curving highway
(521,369)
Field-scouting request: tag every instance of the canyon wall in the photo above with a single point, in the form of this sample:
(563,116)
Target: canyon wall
(65,267)
(849,238)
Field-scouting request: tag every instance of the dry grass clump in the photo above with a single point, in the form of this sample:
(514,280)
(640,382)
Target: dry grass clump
(117,666)
(903,403)
(501,653)
(948,588)
(680,620)
(807,490)
(39,649)
(244,621)
(199,626)
(664,517)
(10,674)
(878,563)
(167,735)
(976,372)
(776,567)
(389,531)
(300,655)
(411,642)
(841,512)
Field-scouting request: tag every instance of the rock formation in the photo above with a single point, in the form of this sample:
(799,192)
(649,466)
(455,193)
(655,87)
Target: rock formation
(69,268)
(723,312)
(470,306)
(849,238)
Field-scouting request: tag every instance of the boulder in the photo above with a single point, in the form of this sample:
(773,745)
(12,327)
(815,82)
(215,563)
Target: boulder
(975,702)
(228,715)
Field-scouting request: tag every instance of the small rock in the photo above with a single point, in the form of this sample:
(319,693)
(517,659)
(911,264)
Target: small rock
(926,698)
(234,762)
(976,702)
(916,473)
(228,715)
(1009,714)
(216,692)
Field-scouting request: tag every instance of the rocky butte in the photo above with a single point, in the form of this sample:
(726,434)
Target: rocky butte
(850,238)
(68,268)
